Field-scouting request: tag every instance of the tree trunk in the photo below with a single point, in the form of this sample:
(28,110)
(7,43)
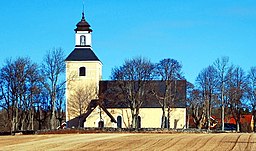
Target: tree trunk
(134,119)
(238,120)
(13,124)
(199,125)
(39,119)
(23,121)
(254,118)
(187,124)
(163,115)
(169,117)
(163,121)
(238,126)
(15,120)
(208,115)
(53,116)
(222,108)
(138,122)
(222,117)
(32,120)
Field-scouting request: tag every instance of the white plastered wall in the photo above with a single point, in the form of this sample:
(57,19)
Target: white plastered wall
(86,34)
(92,78)
(150,117)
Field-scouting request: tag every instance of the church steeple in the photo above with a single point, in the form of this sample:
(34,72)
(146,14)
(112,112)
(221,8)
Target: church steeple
(83,33)
(83,48)
(83,67)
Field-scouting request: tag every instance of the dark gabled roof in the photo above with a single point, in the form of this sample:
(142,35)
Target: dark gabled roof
(114,98)
(92,105)
(82,54)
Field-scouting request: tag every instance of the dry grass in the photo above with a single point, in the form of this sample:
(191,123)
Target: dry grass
(115,141)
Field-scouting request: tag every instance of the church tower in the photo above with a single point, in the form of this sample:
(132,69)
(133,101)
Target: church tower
(83,72)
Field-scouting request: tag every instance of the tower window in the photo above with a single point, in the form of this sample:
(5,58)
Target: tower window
(82,40)
(82,71)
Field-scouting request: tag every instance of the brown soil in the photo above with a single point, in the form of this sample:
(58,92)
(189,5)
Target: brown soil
(114,141)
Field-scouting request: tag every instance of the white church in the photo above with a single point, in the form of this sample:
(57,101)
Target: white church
(84,86)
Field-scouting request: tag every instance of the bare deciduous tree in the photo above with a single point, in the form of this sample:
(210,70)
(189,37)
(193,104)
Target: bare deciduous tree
(133,77)
(207,83)
(80,98)
(251,93)
(236,86)
(198,108)
(52,69)
(221,64)
(18,81)
(168,70)
(60,106)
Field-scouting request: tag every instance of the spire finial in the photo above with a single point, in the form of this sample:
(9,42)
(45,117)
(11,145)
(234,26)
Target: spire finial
(83,11)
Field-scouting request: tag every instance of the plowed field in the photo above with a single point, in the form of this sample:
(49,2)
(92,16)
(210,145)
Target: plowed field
(93,142)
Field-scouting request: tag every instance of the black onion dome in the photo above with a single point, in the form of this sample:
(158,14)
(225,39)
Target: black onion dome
(83,25)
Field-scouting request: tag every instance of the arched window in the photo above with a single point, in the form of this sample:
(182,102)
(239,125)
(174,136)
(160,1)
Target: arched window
(101,124)
(166,122)
(82,40)
(82,71)
(119,122)
(139,122)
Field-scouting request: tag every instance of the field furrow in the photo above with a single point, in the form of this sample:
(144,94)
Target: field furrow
(126,141)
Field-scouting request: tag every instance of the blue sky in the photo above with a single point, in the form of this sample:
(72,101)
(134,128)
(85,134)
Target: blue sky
(195,32)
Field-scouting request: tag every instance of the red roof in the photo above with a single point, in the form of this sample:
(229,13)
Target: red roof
(243,119)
